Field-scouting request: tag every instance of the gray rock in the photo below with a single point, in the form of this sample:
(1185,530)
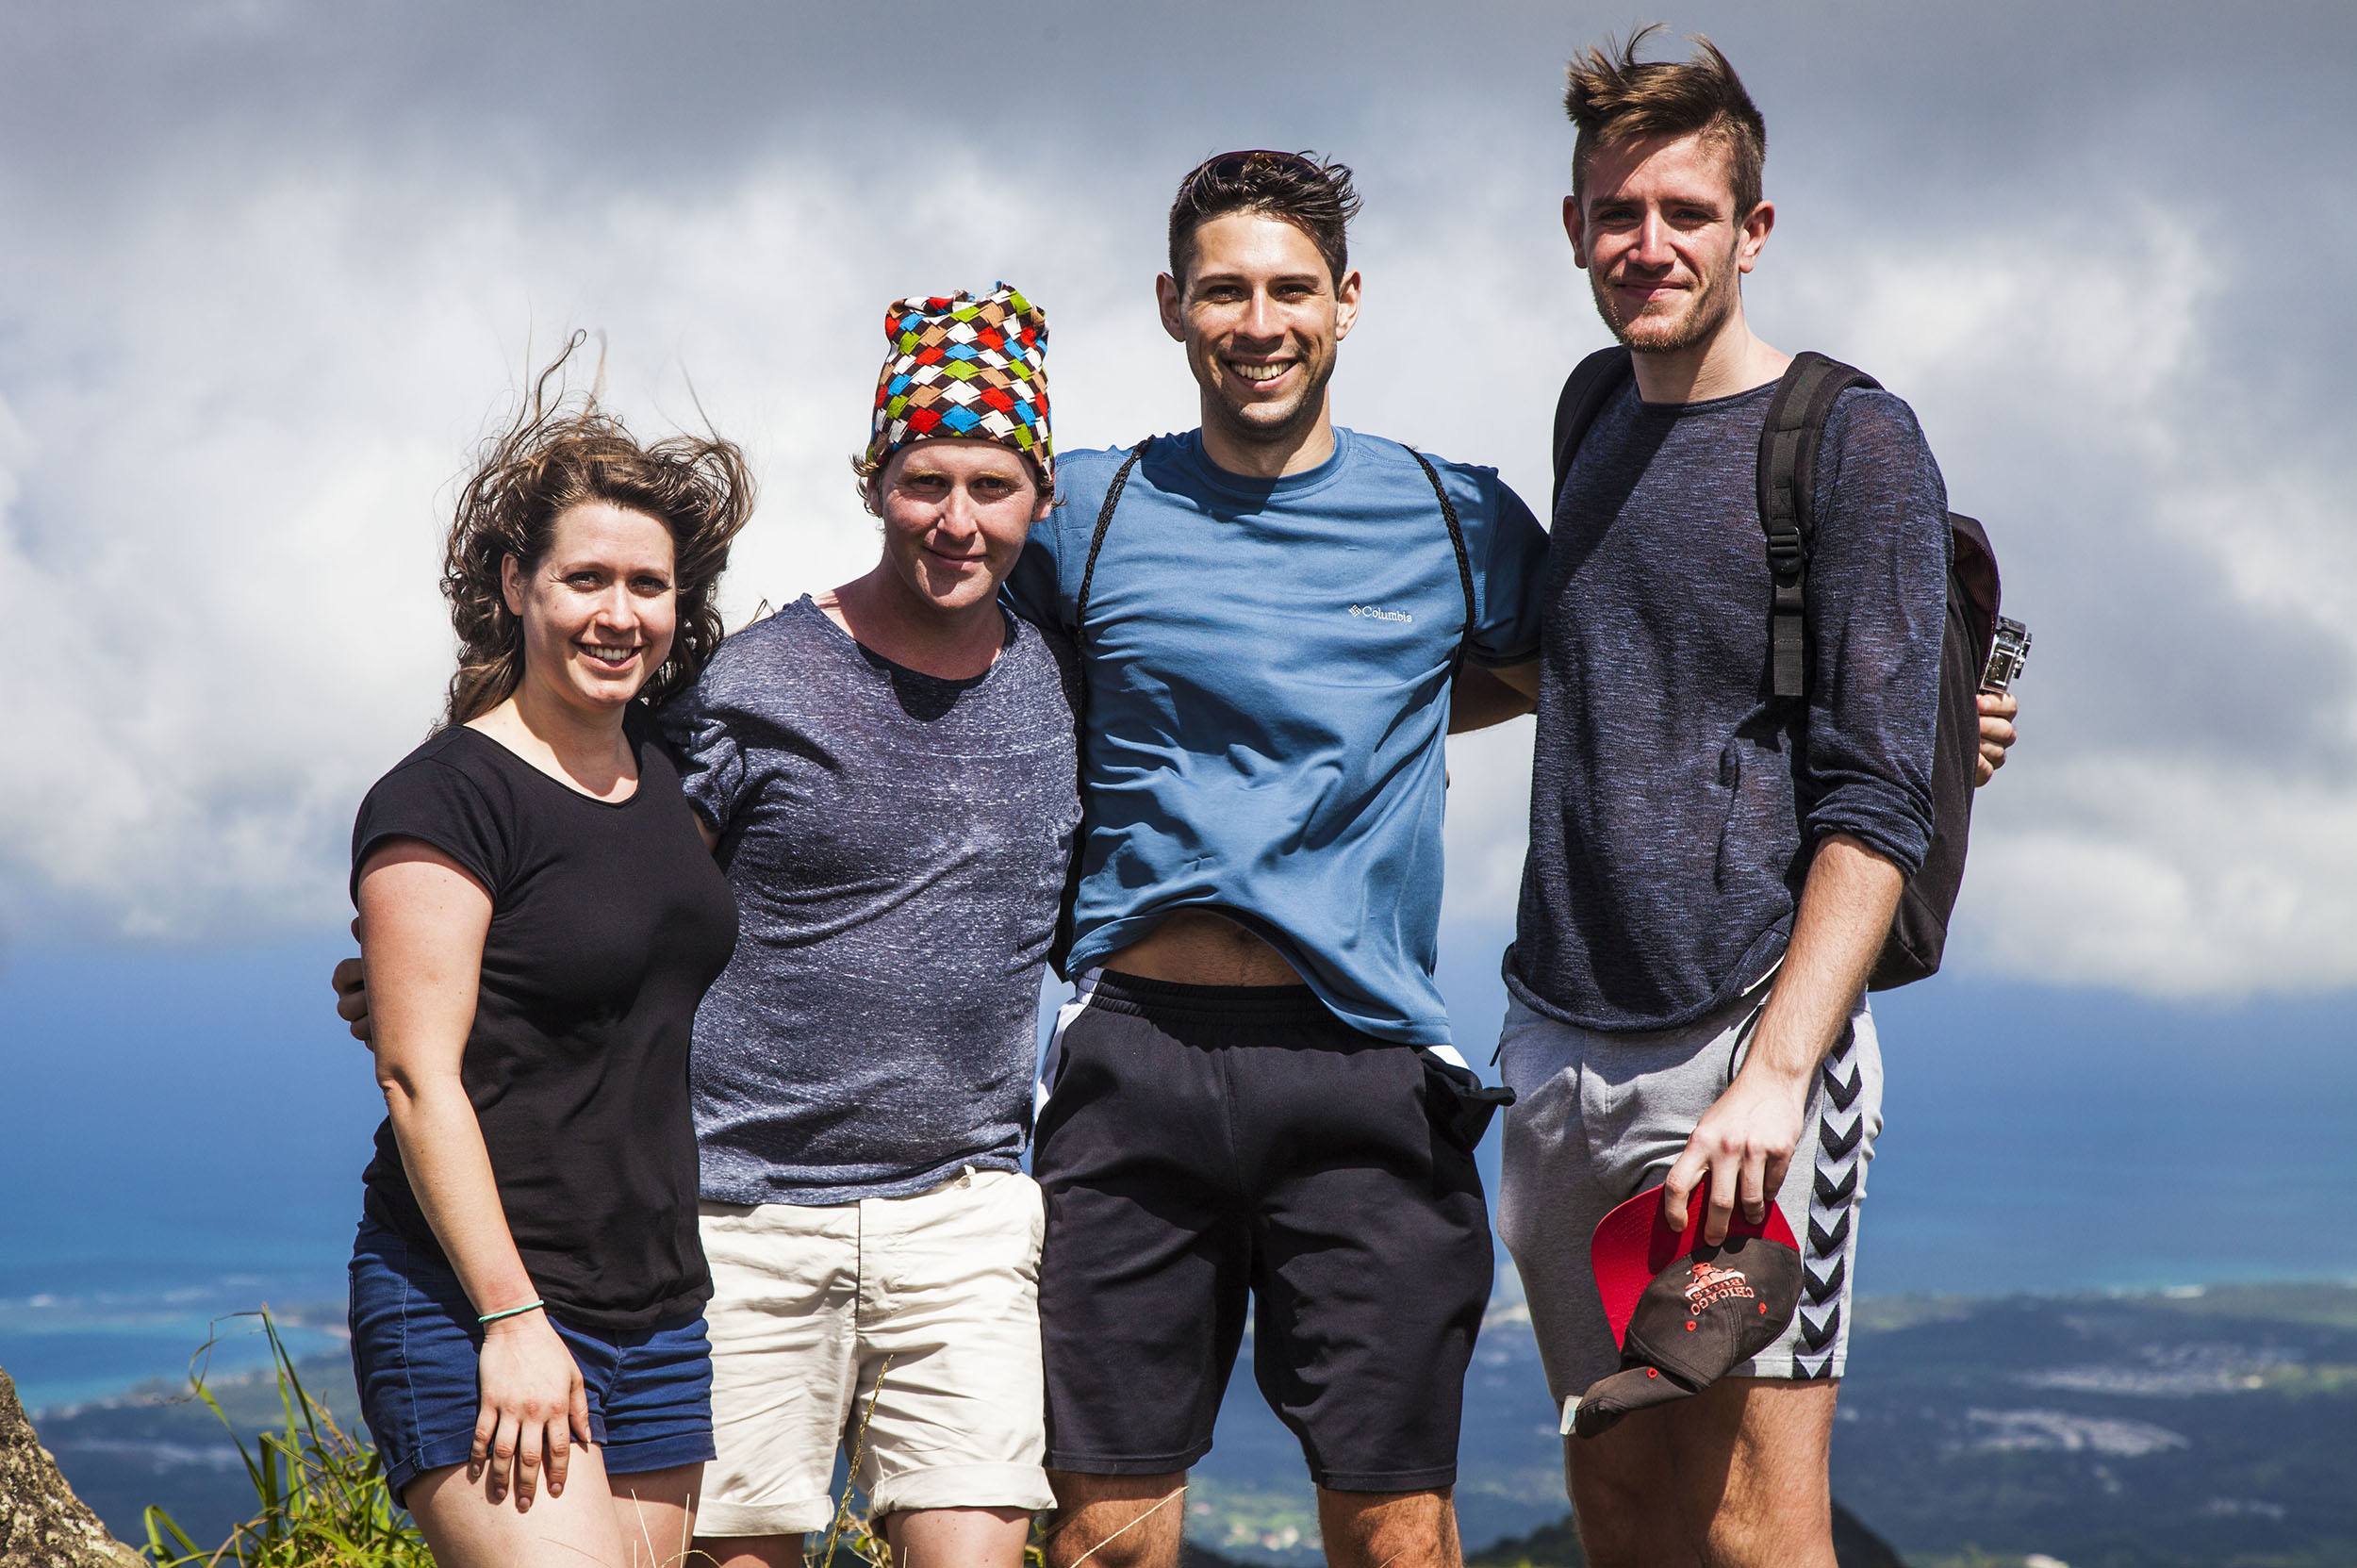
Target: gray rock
(43,1525)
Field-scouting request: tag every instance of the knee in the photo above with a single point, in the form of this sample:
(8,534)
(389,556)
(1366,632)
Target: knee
(1620,1503)
(1615,1532)
(1763,1531)
(1115,1521)
(1407,1529)
(1104,1541)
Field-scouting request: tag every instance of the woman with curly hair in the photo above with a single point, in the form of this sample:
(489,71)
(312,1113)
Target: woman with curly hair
(540,918)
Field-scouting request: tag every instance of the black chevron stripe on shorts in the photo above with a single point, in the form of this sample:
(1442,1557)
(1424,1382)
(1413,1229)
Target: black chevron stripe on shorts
(1833,1196)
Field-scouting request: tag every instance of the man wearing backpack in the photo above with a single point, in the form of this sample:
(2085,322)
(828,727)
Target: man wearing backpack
(1713,866)
(1250,1097)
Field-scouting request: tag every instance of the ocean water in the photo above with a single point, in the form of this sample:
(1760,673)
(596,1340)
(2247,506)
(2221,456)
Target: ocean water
(74,1348)
(181,1137)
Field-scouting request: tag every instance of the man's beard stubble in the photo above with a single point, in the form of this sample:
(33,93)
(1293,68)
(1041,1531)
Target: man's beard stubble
(1247,432)
(1705,313)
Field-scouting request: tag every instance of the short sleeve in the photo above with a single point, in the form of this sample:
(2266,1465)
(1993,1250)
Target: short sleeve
(428,800)
(1509,558)
(1066,659)
(705,743)
(1033,589)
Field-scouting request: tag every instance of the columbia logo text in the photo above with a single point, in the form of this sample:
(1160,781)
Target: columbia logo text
(1370,612)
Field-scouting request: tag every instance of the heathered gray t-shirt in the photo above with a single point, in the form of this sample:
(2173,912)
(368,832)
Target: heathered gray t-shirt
(1676,803)
(897,844)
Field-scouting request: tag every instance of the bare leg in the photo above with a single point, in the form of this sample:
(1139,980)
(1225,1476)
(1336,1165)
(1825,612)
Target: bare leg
(655,1512)
(1401,1530)
(1770,1440)
(958,1537)
(1732,1477)
(575,1528)
(749,1551)
(1617,1482)
(1117,1521)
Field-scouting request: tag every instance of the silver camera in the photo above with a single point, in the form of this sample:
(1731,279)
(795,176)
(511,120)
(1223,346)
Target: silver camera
(2008,650)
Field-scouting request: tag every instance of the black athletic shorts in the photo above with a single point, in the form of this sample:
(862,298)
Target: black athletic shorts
(1203,1142)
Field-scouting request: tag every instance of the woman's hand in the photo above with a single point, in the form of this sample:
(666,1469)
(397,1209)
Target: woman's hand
(534,1408)
(425,917)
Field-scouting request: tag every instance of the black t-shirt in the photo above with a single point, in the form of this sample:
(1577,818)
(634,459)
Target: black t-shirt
(608,921)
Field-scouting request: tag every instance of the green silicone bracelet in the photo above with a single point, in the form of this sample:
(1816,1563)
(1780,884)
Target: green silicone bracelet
(511,1312)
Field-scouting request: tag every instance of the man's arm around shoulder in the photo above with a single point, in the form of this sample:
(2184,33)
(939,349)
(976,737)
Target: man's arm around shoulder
(1484,695)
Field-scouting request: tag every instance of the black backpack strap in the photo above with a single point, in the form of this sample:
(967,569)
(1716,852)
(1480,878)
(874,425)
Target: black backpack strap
(1788,487)
(1097,543)
(1972,566)
(1061,946)
(1464,561)
(1593,380)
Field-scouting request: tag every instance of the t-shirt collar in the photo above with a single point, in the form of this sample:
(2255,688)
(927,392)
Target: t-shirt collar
(1286,487)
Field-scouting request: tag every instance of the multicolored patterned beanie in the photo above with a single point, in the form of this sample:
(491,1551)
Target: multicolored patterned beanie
(965,367)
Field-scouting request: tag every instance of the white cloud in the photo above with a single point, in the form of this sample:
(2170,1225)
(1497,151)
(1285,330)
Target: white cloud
(230,433)
(2167,526)
(1489,813)
(2205,879)
(238,376)
(2070,375)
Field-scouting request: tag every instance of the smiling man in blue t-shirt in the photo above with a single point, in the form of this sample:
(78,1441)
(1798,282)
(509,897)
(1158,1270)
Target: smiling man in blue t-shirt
(1273,616)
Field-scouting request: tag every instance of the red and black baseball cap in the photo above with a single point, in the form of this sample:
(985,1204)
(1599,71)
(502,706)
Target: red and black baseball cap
(1683,1311)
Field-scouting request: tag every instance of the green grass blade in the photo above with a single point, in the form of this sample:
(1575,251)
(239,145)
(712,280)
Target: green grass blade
(164,1535)
(321,1497)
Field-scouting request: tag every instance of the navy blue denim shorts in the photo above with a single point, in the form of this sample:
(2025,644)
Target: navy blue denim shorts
(414,1347)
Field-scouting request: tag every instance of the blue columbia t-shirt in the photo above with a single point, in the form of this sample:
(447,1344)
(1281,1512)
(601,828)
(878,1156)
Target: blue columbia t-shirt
(1267,666)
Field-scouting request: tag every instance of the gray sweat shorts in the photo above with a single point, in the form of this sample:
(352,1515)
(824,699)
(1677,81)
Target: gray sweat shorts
(1598,1118)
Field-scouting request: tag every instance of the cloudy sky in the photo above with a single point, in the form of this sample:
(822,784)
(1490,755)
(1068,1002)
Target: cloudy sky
(267,270)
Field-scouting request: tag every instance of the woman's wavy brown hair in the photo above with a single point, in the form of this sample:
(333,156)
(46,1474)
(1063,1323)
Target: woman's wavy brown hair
(559,452)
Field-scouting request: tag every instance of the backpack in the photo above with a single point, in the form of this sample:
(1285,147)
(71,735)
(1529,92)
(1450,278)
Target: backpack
(1788,480)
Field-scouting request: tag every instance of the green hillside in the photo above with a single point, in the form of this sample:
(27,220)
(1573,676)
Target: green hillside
(2195,1429)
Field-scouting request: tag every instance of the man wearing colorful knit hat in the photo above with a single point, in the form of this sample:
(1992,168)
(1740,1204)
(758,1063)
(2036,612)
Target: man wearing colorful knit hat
(886,771)
(966,368)
(1252,1095)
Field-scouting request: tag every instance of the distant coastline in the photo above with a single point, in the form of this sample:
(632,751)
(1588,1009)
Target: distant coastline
(68,1352)
(2167,1426)
(72,1352)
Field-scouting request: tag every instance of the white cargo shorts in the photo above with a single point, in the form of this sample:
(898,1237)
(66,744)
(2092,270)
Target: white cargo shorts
(925,1307)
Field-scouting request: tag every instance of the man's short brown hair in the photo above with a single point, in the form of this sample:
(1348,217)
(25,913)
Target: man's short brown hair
(1312,194)
(1612,98)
